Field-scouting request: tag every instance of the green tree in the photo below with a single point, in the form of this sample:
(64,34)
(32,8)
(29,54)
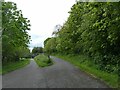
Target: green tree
(91,29)
(50,46)
(14,31)
(46,41)
(37,50)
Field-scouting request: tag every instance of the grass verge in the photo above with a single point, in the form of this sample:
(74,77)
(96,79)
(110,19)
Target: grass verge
(42,60)
(85,64)
(11,66)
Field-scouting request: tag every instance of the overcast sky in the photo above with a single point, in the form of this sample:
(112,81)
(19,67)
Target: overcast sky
(43,15)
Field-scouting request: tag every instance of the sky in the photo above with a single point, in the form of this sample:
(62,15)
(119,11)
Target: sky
(44,15)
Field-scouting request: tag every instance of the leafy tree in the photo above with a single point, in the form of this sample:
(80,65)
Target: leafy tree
(14,32)
(50,46)
(91,29)
(46,41)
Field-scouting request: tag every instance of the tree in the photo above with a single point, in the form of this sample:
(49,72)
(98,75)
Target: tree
(50,46)
(91,29)
(46,41)
(14,31)
(37,50)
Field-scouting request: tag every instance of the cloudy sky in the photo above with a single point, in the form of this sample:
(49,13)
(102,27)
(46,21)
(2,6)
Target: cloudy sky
(44,15)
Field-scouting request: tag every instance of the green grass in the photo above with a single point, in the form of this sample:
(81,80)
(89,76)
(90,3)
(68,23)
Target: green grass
(42,60)
(11,66)
(86,65)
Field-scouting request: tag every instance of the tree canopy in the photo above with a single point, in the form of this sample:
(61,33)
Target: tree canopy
(15,37)
(91,29)
(37,50)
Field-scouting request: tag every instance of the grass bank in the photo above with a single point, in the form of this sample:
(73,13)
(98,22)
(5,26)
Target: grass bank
(85,64)
(11,66)
(42,60)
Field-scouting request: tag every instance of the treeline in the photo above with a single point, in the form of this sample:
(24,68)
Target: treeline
(36,51)
(92,29)
(15,38)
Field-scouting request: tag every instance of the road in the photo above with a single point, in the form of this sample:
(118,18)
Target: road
(60,75)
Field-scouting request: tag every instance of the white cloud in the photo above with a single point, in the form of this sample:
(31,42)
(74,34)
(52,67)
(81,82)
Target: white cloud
(44,15)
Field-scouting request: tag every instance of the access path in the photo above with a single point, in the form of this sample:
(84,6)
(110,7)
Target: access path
(61,74)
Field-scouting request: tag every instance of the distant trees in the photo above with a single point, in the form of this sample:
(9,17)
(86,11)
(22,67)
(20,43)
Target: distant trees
(91,29)
(50,46)
(37,50)
(15,37)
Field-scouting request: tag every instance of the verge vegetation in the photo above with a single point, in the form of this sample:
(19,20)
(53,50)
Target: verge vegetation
(43,61)
(85,64)
(15,37)
(11,66)
(92,29)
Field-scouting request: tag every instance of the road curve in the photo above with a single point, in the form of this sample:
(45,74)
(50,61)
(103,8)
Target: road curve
(60,75)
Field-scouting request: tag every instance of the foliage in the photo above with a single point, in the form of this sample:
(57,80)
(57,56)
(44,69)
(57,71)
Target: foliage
(50,46)
(46,41)
(15,37)
(37,50)
(43,60)
(92,29)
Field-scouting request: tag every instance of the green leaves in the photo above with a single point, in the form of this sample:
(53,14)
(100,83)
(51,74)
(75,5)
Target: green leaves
(92,29)
(50,45)
(37,50)
(15,38)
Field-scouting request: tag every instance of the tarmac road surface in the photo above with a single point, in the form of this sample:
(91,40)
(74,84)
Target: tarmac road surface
(61,74)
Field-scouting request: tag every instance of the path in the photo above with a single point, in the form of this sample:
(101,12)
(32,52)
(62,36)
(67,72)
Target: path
(60,75)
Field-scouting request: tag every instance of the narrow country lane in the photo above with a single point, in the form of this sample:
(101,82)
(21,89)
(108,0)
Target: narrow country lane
(60,75)
(27,77)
